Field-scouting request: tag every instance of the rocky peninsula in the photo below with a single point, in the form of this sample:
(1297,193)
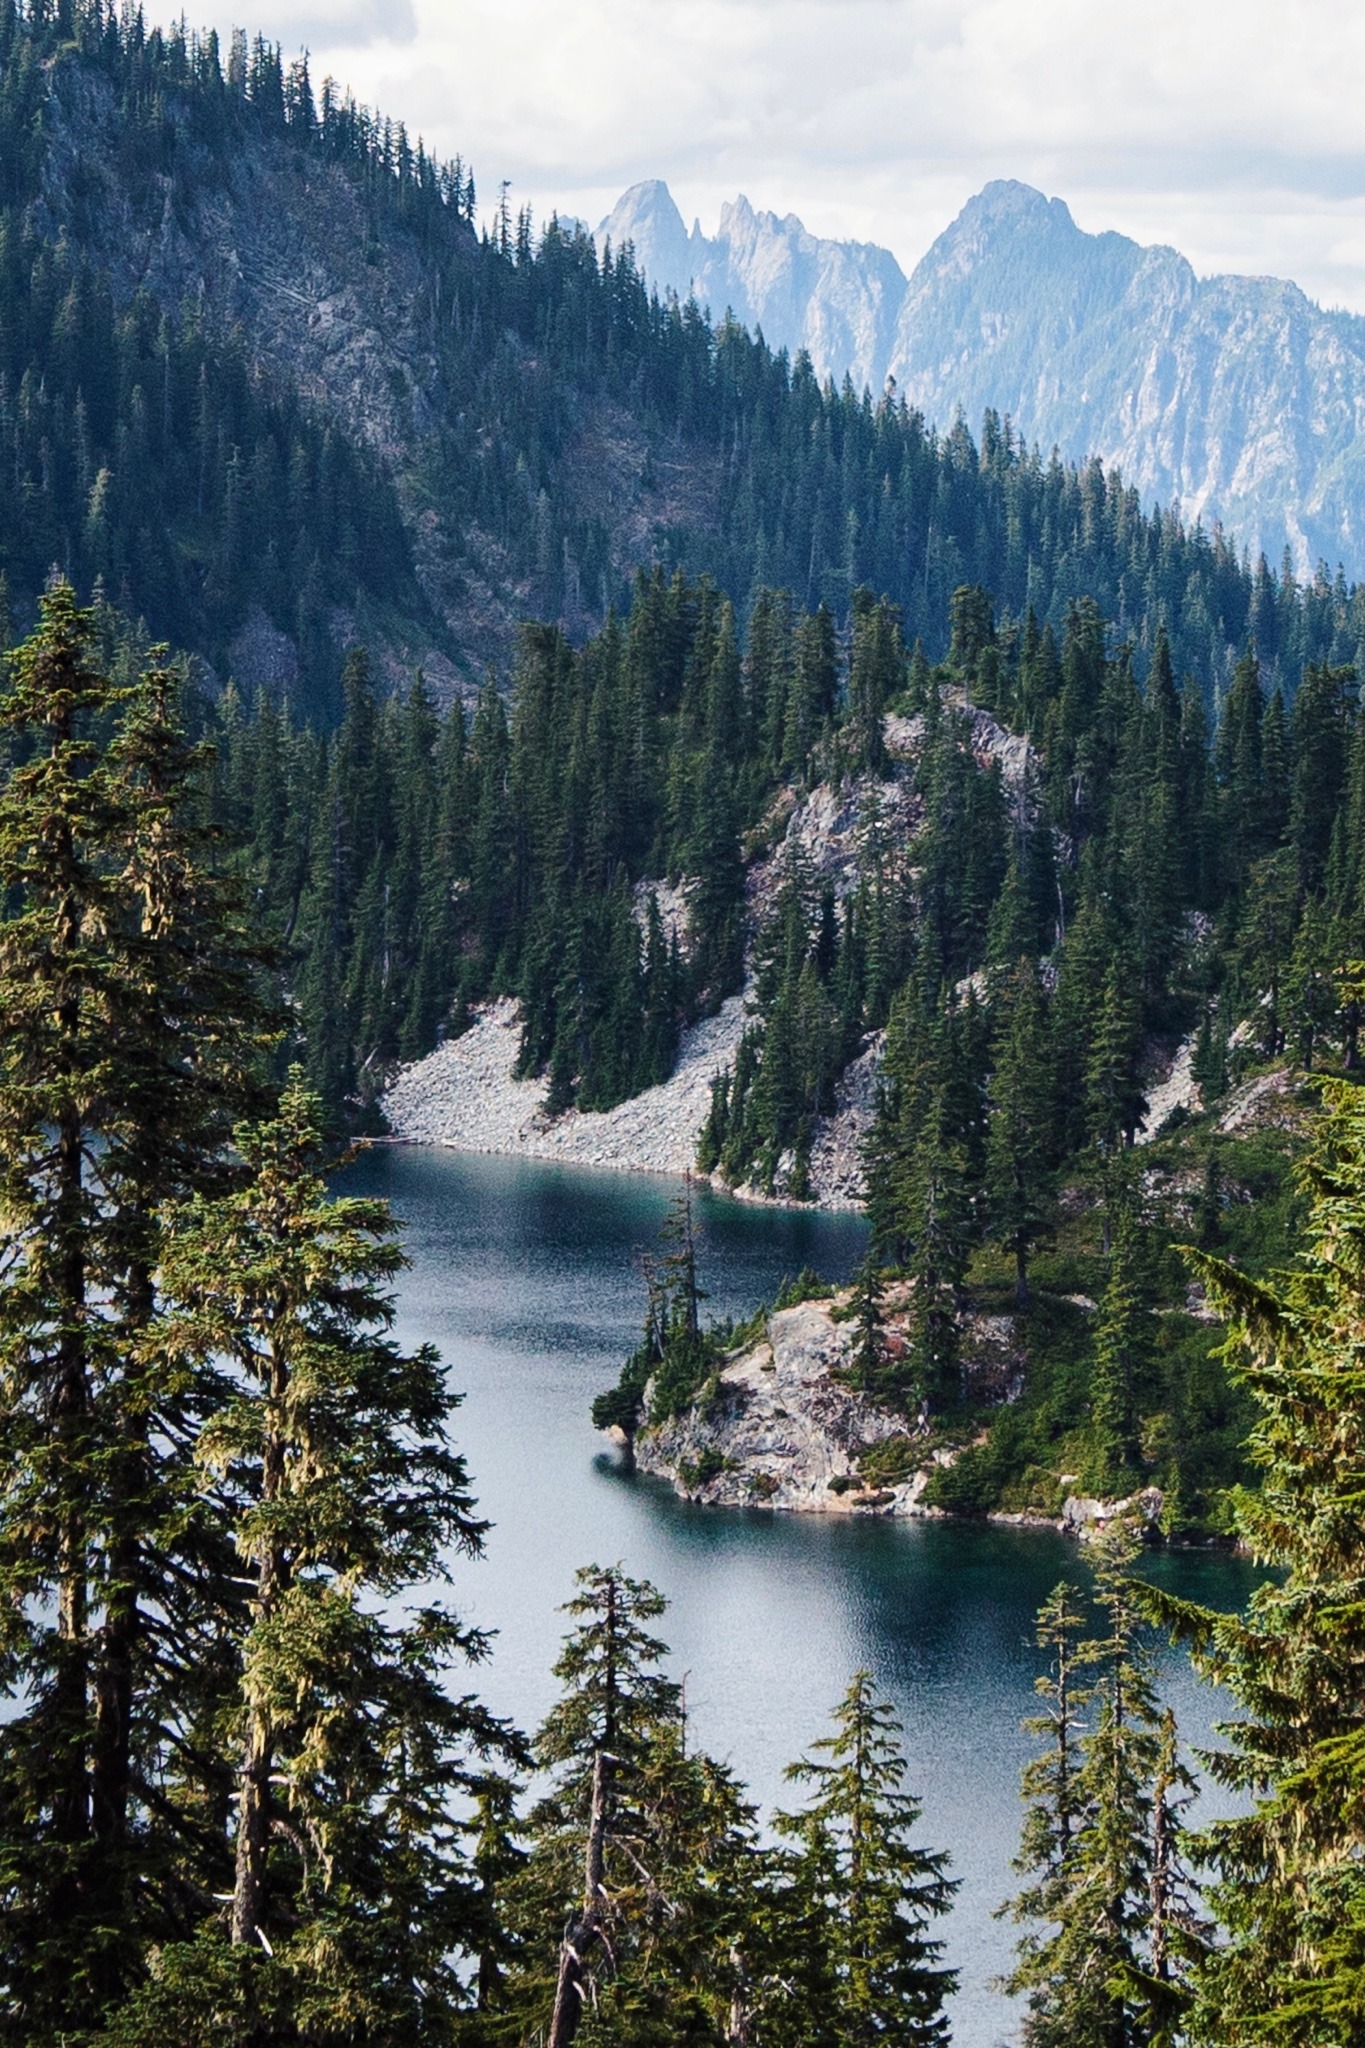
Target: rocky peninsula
(779,1426)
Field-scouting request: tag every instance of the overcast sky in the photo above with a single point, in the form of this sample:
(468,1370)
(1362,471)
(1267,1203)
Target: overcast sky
(1232,129)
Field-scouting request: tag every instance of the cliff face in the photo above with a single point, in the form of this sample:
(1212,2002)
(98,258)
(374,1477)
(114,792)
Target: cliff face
(524,489)
(1235,398)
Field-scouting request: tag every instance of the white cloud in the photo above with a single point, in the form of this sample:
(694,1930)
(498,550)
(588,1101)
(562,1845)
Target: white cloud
(336,24)
(1231,129)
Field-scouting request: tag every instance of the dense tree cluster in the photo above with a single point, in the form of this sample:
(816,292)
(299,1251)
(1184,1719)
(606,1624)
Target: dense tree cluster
(239,1799)
(414,862)
(1121,1950)
(143,448)
(1139,878)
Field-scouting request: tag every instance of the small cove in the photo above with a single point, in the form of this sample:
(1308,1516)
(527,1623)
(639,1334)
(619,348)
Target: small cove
(525,1276)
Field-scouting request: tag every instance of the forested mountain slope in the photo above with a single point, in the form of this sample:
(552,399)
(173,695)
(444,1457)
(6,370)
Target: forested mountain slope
(262,374)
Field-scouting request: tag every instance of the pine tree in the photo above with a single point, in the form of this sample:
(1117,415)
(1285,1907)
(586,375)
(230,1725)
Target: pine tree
(876,674)
(130,1031)
(1115,1104)
(1161,1990)
(1122,1348)
(62,837)
(592,1828)
(1055,1813)
(326,1452)
(1265,939)
(940,1225)
(874,1891)
(1088,1841)
(1288,1889)
(868,1364)
(1020,1181)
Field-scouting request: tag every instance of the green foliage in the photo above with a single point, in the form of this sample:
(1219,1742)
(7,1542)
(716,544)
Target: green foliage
(325,1454)
(130,1027)
(676,1356)
(1287,1887)
(222,1482)
(1088,1840)
(1021,1146)
(807,1286)
(647,1910)
(866,1890)
(155,439)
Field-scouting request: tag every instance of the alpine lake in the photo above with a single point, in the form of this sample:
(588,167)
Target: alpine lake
(526,1278)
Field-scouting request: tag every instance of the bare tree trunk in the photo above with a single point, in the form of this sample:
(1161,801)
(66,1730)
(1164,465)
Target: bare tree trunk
(584,1930)
(71,1417)
(253,1830)
(737,2026)
(254,1802)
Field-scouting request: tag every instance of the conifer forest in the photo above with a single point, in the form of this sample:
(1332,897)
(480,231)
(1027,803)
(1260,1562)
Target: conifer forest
(1102,784)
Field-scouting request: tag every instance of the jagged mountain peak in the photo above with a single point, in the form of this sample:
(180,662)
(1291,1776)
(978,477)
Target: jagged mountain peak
(836,300)
(1010,199)
(1234,399)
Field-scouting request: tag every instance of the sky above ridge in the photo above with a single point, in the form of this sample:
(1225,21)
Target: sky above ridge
(1230,129)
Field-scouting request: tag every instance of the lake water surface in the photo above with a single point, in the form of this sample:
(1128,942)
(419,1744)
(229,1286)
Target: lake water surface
(524,1275)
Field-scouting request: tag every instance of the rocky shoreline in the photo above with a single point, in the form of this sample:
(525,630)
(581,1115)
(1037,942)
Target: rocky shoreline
(466,1095)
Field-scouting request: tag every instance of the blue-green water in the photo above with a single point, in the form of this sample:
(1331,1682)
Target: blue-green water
(525,1276)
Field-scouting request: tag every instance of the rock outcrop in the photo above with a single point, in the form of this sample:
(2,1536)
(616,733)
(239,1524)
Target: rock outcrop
(779,1427)
(779,1430)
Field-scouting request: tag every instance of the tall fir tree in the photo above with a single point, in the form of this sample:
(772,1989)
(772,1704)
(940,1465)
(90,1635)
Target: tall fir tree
(1020,1146)
(874,1893)
(1287,1885)
(350,1903)
(132,1028)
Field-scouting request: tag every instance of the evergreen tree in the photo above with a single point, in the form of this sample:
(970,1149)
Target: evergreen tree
(131,1028)
(1122,1347)
(327,1455)
(1288,1889)
(63,832)
(1055,1813)
(1020,1193)
(876,674)
(1178,1935)
(1088,1842)
(874,1891)
(869,1362)
(940,1226)
(592,1832)
(1115,1104)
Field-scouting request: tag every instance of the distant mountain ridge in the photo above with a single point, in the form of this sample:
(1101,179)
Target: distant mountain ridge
(1236,399)
(840,301)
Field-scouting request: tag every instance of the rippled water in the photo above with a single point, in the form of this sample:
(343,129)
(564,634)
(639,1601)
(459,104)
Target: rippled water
(525,1276)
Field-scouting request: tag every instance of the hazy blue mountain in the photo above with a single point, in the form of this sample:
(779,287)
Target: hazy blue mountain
(837,300)
(1236,398)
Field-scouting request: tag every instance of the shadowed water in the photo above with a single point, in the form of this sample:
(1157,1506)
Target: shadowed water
(525,1276)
